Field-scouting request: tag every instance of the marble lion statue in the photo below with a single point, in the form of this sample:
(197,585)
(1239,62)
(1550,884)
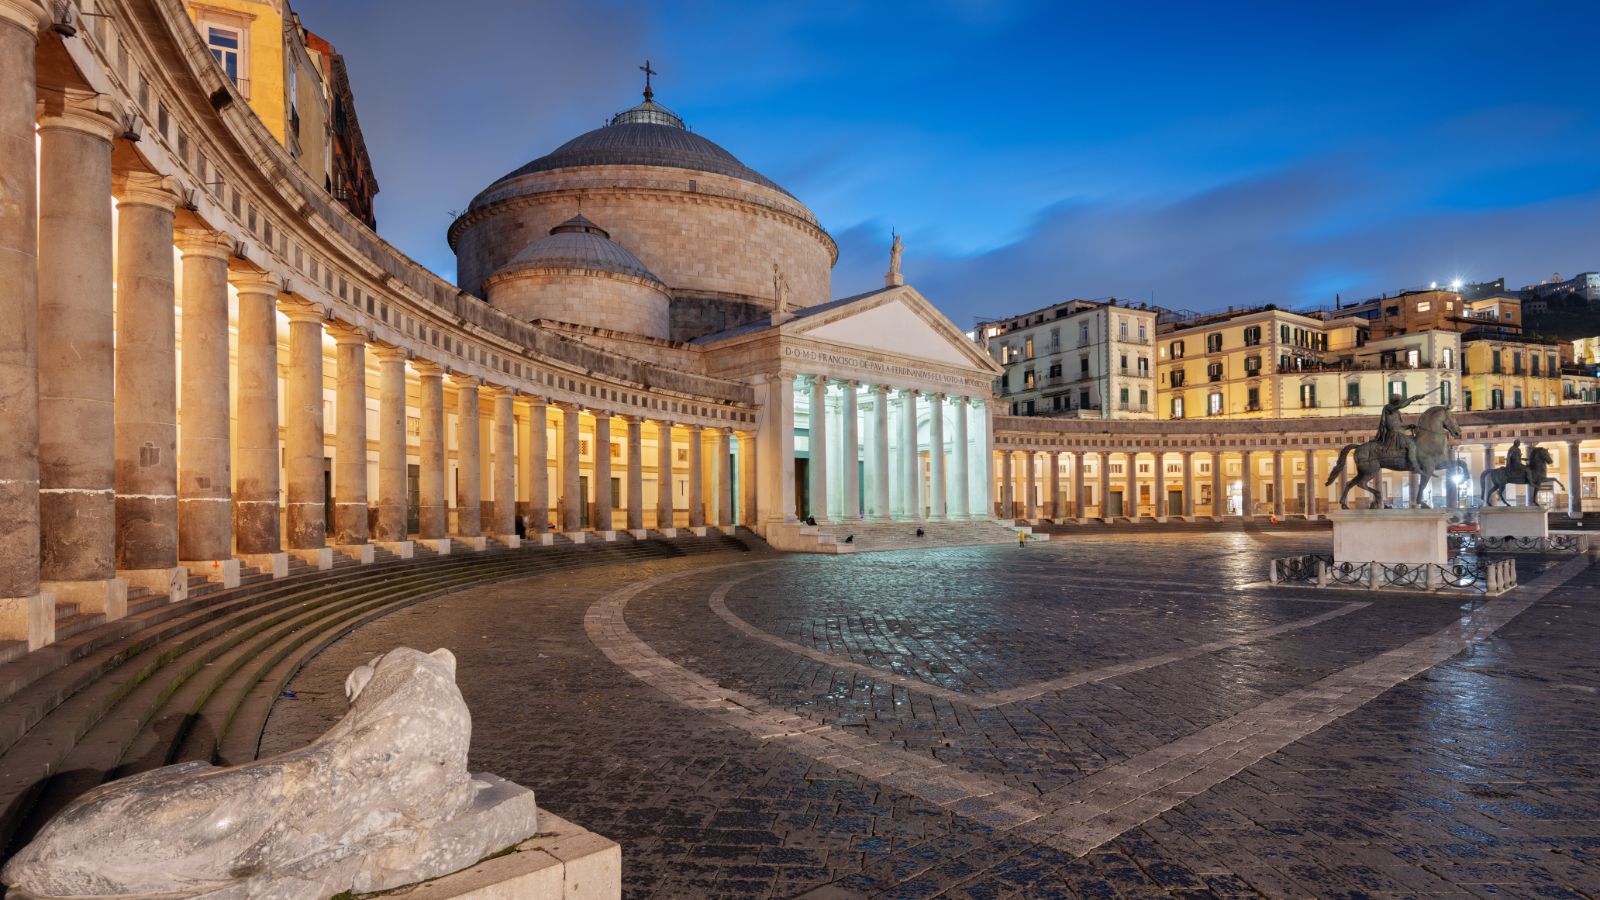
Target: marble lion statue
(381,800)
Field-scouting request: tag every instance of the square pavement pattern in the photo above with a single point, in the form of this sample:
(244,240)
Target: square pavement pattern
(1105,716)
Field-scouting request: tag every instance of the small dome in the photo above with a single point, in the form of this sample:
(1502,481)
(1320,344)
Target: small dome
(579,243)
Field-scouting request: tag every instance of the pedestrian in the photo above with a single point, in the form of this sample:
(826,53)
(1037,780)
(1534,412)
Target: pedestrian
(1022,538)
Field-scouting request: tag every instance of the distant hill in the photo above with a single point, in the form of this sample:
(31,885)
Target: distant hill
(1567,321)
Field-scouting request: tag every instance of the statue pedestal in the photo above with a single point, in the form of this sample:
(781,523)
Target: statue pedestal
(1409,536)
(1513,521)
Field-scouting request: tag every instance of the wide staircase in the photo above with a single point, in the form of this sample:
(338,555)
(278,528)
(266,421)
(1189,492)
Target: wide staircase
(196,680)
(861,537)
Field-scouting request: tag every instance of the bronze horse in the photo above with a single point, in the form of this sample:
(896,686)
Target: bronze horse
(1533,474)
(1431,452)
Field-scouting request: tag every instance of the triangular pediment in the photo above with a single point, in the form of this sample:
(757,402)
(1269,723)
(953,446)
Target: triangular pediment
(899,321)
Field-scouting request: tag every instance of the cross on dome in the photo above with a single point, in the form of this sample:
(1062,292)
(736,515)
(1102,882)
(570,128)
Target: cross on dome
(648,94)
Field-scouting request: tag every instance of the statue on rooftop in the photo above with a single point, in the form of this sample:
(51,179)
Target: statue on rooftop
(895,250)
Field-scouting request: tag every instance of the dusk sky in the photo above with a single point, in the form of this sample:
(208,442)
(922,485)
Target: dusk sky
(1201,155)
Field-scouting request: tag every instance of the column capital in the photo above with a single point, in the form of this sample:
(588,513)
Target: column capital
(204,242)
(536,401)
(390,353)
(879,390)
(851,383)
(86,111)
(694,428)
(30,15)
(464,380)
(344,333)
(427,368)
(301,311)
(567,406)
(496,391)
(145,189)
(253,282)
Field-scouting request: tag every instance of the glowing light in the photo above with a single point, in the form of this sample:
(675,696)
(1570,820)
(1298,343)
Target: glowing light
(1455,285)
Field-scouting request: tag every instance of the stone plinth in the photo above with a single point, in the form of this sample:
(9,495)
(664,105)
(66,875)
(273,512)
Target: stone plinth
(273,564)
(402,549)
(222,571)
(320,558)
(1513,521)
(172,582)
(361,553)
(564,861)
(1391,535)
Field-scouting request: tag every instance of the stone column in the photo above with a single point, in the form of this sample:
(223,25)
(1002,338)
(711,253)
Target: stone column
(1279,486)
(432,514)
(77,369)
(146,472)
(304,439)
(818,444)
(775,399)
(1247,506)
(1105,486)
(747,479)
(1219,500)
(708,474)
(723,445)
(1053,461)
(1030,509)
(879,455)
(961,461)
(936,468)
(635,476)
(1130,502)
(1310,487)
(1159,490)
(601,520)
(1451,490)
(697,503)
(571,499)
(350,505)
(664,506)
(1575,479)
(536,467)
(1188,485)
(469,463)
(257,516)
(392,500)
(850,442)
(1080,487)
(26,613)
(986,458)
(205,507)
(1008,485)
(913,458)
(504,520)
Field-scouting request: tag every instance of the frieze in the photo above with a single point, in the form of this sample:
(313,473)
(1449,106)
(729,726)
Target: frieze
(882,368)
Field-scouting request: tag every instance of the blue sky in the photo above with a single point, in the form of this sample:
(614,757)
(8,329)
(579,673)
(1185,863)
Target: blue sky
(1198,154)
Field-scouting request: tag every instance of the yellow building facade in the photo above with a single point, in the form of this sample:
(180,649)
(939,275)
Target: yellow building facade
(1510,373)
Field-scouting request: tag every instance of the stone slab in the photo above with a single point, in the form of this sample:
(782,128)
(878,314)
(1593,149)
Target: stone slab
(1391,535)
(638,534)
(274,564)
(402,549)
(563,861)
(173,582)
(31,619)
(361,553)
(440,546)
(511,541)
(220,571)
(1514,521)
(108,595)
(320,557)
(577,537)
(476,544)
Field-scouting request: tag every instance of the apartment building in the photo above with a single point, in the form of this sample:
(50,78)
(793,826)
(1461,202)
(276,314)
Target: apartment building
(1078,359)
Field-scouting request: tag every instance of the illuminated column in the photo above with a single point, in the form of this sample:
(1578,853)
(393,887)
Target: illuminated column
(818,445)
(1105,486)
(392,499)
(257,516)
(77,368)
(708,474)
(432,513)
(961,462)
(350,441)
(469,460)
(697,503)
(1219,502)
(723,444)
(1279,486)
(26,613)
(205,509)
(146,474)
(537,466)
(936,468)
(1575,479)
(775,399)
(1053,462)
(303,445)
(601,520)
(503,522)
(1008,487)
(1130,500)
(1159,491)
(986,458)
(664,484)
(1247,506)
(1030,509)
(635,475)
(850,441)
(1080,486)
(913,458)
(571,499)
(1188,485)
(747,479)
(1310,487)
(878,455)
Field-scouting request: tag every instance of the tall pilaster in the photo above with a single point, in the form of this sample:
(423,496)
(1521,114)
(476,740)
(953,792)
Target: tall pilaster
(536,468)
(433,515)
(1279,485)
(1008,485)
(601,520)
(1105,485)
(205,508)
(818,444)
(664,485)
(1053,462)
(635,474)
(936,468)
(392,489)
(878,455)
(775,398)
(503,521)
(1030,480)
(572,499)
(850,444)
(304,438)
(1130,496)
(469,458)
(350,436)
(961,461)
(697,499)
(257,517)
(747,479)
(1219,499)
(77,369)
(912,457)
(1188,485)
(147,389)
(1159,490)
(723,445)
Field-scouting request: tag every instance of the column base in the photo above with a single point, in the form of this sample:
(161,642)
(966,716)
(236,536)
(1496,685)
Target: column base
(106,595)
(700,530)
(543,539)
(320,557)
(577,537)
(511,541)
(604,535)
(31,619)
(638,534)
(440,546)
(218,571)
(273,564)
(402,549)
(476,543)
(667,532)
(173,583)
(361,553)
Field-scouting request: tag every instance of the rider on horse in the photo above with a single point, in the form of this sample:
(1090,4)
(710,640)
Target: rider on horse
(1514,464)
(1394,435)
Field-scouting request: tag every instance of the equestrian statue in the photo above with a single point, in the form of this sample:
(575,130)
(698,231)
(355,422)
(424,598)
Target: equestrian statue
(1533,474)
(1419,449)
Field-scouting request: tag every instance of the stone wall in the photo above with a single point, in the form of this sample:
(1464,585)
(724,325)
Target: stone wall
(618,302)
(694,317)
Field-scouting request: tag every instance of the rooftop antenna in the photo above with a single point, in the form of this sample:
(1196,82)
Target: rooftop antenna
(649,94)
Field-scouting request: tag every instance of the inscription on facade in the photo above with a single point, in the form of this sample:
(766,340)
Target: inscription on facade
(880,368)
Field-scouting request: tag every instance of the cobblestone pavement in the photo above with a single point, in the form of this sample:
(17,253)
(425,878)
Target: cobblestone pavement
(1127,715)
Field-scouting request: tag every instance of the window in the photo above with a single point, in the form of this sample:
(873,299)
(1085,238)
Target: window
(1028,345)
(1397,386)
(1083,400)
(1122,328)
(1516,399)
(1550,364)
(1252,400)
(1413,359)
(227,48)
(1083,365)
(1027,379)
(1352,393)
(1466,398)
(1448,357)
(1144,399)
(1177,407)
(1308,396)
(1214,342)
(1055,370)
(1424,305)
(1214,371)
(1005,382)
(1122,397)
(1497,368)
(616,493)
(1533,364)
(1124,363)
(1214,404)
(1252,336)
(1083,333)
(1142,334)
(1176,376)
(1516,362)
(1029,406)
(1252,365)
(1497,398)
(1283,333)
(1144,367)
(1176,349)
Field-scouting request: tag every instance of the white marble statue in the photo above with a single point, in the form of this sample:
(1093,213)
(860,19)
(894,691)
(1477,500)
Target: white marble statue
(895,249)
(381,800)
